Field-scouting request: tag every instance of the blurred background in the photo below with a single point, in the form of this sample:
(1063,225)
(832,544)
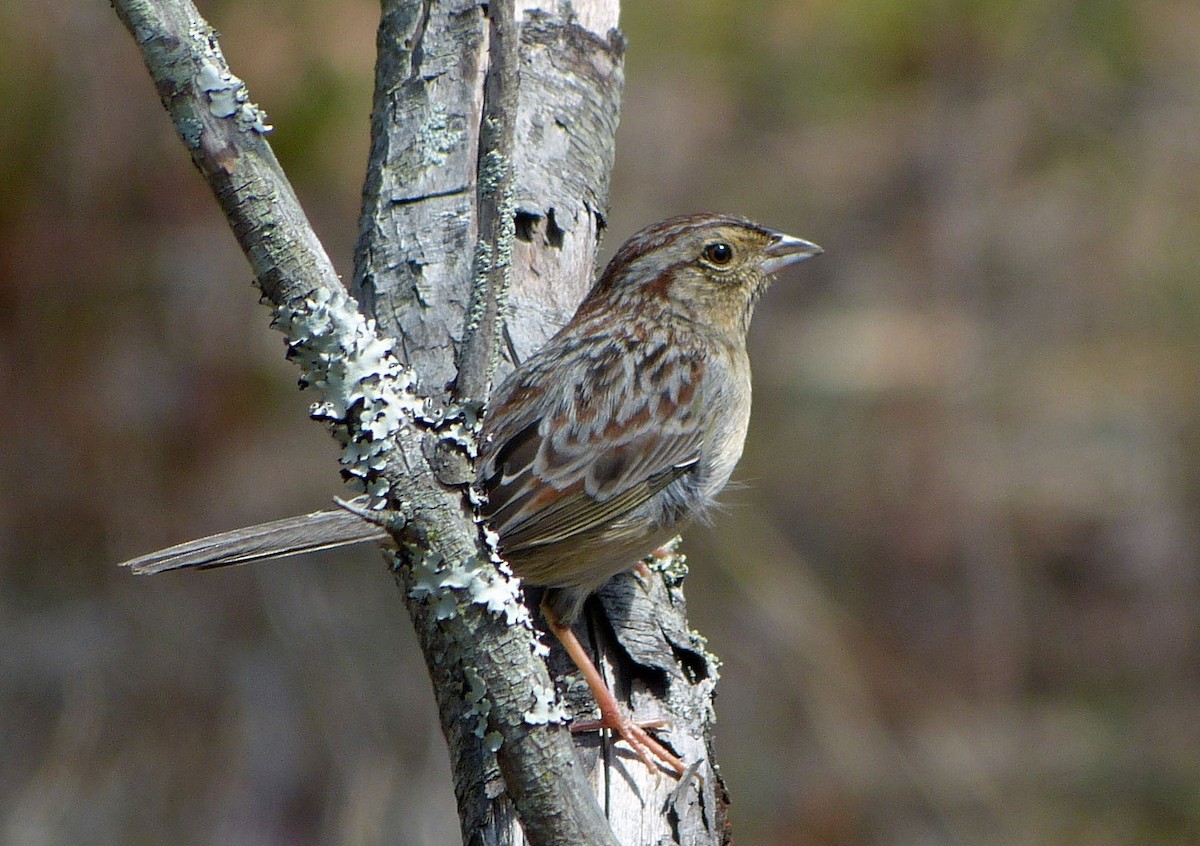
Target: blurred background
(957,594)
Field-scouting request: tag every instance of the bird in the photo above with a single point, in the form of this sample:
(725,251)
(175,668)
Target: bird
(597,448)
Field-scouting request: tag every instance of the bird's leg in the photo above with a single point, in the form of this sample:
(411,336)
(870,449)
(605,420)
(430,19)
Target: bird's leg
(611,717)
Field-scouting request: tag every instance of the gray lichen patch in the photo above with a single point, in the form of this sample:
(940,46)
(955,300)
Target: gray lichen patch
(366,394)
(227,94)
(445,586)
(547,708)
(443,134)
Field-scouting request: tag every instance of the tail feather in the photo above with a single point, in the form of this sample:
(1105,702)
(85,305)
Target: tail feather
(278,539)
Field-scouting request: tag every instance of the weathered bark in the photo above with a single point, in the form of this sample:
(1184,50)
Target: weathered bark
(459,227)
(418,232)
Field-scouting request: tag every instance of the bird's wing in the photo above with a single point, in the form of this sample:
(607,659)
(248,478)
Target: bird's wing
(561,461)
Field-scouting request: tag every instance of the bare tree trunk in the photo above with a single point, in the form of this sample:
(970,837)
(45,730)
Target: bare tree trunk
(493,139)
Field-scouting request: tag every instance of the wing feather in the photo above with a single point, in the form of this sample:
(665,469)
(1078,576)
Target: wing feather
(561,461)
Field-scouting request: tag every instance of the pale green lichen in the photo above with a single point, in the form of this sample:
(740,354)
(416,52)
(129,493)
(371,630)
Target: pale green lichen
(546,708)
(377,489)
(442,582)
(427,568)
(341,354)
(442,132)
(493,169)
(443,585)
(457,425)
(673,566)
(367,398)
(493,261)
(227,94)
(479,707)
(576,686)
(190,129)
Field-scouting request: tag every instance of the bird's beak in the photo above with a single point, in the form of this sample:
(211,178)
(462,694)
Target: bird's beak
(785,250)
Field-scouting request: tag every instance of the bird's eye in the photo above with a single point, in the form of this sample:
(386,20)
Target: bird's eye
(719,253)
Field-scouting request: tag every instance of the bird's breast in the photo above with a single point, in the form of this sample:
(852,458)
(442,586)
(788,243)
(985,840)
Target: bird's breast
(727,406)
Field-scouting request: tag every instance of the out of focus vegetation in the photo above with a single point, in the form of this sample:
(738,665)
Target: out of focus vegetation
(957,597)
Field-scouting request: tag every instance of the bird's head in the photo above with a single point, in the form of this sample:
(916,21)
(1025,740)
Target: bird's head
(710,269)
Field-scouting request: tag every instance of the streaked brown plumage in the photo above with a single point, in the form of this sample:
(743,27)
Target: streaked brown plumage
(594,450)
(631,418)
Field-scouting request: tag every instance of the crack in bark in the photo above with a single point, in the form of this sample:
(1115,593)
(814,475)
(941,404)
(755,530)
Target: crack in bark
(432,195)
(416,54)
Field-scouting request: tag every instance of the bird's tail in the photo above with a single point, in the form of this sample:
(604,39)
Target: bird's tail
(278,539)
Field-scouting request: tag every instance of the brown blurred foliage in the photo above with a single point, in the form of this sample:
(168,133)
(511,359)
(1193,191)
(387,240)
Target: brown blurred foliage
(957,596)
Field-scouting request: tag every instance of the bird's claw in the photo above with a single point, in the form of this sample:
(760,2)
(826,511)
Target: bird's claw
(639,739)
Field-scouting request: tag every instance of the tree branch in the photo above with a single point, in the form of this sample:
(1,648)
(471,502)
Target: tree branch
(453,223)
(223,130)
(469,611)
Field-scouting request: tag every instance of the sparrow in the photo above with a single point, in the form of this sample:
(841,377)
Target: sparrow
(602,444)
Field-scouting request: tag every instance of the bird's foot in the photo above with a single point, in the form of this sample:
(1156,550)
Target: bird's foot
(636,735)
